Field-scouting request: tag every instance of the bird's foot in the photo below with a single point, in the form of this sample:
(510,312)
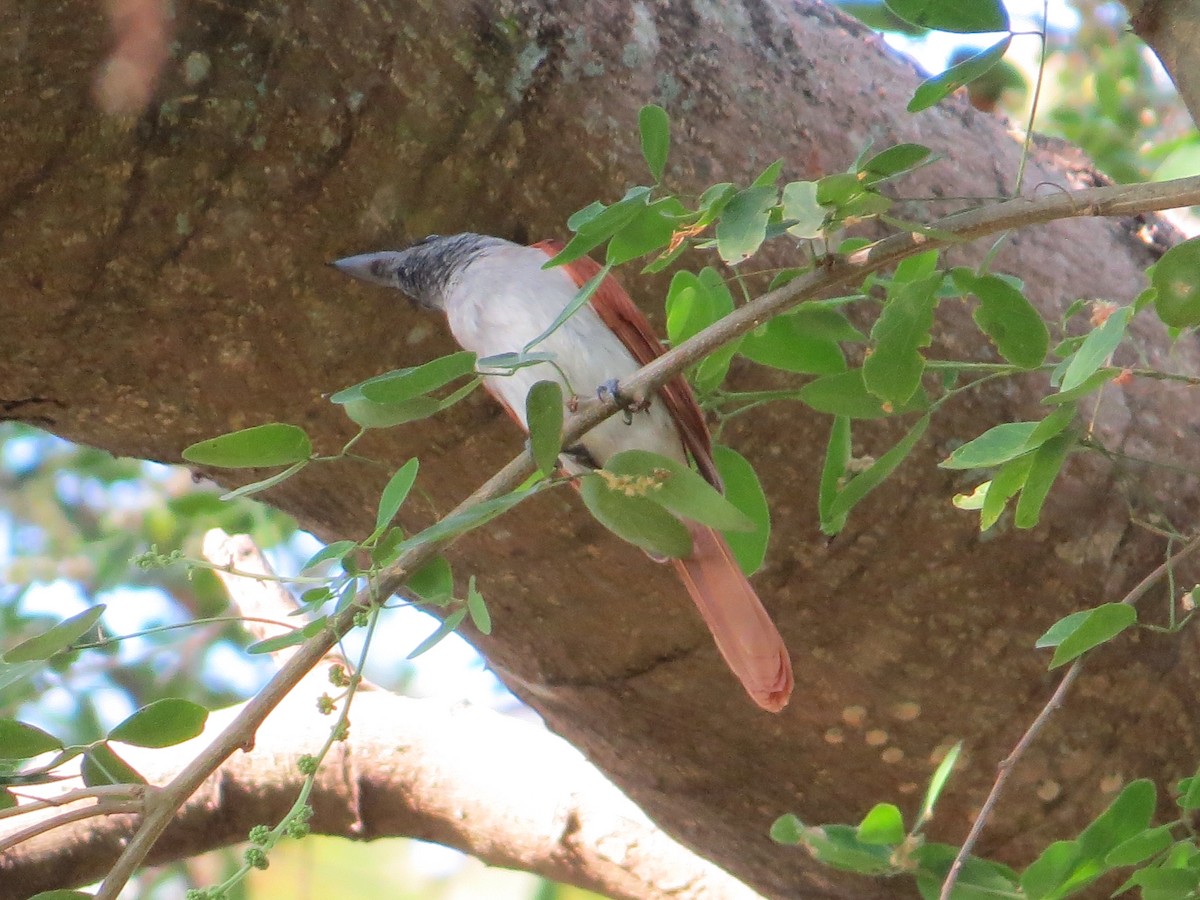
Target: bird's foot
(628,405)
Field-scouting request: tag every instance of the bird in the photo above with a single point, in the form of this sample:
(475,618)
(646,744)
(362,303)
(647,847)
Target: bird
(498,296)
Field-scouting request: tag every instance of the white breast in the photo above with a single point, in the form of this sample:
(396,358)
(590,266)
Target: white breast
(504,299)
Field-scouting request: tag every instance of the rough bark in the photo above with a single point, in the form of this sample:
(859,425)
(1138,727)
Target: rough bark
(162,283)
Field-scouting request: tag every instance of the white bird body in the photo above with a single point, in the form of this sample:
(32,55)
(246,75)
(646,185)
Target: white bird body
(503,299)
(498,298)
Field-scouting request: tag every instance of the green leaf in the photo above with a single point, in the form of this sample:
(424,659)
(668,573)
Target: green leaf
(582,296)
(163,723)
(743,224)
(768,176)
(650,230)
(274,444)
(918,266)
(1047,462)
(57,638)
(102,765)
(1140,847)
(743,490)
(875,14)
(839,846)
(1096,348)
(1008,318)
(787,829)
(893,371)
(679,490)
(998,444)
(288,639)
(263,484)
(837,457)
(598,225)
(839,189)
(21,741)
(636,519)
(974,17)
(1095,627)
(1176,279)
(1166,884)
(1127,816)
(934,89)
(477,609)
(782,344)
(402,385)
(1060,630)
(655,128)
(395,493)
(1050,871)
(433,582)
(845,394)
(883,825)
(451,622)
(875,474)
(544,417)
(800,205)
(893,161)
(336,550)
(368,414)
(62,895)
(1091,383)
(460,523)
(1009,479)
(938,782)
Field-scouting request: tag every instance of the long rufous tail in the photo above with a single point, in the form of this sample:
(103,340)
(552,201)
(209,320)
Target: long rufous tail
(745,634)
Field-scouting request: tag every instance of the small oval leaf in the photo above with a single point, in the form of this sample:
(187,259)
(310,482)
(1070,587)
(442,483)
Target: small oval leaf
(101,766)
(395,493)
(743,490)
(642,522)
(1177,283)
(163,723)
(273,444)
(1094,627)
(544,418)
(655,128)
(19,740)
(680,490)
(57,639)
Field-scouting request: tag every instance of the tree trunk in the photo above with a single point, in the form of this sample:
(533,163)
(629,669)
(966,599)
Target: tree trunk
(162,282)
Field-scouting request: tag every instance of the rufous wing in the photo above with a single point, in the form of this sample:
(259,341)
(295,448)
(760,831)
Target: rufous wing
(743,631)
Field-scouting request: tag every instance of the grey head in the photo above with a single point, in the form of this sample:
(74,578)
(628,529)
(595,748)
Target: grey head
(422,271)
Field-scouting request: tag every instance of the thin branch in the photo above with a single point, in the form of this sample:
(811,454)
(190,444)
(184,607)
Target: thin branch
(100,792)
(1056,700)
(101,808)
(836,271)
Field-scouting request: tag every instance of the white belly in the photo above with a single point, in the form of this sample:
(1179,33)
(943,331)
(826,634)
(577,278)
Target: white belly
(504,299)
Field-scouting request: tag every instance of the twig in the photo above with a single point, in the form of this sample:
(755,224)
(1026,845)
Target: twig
(1009,762)
(836,271)
(101,792)
(102,808)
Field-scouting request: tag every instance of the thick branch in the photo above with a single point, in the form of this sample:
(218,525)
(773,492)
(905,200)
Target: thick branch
(502,790)
(957,228)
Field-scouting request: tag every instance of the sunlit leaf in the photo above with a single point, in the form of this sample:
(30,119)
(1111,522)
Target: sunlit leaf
(743,224)
(883,825)
(973,17)
(1080,632)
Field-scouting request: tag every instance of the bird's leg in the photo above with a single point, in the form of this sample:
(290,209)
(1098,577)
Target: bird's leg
(628,405)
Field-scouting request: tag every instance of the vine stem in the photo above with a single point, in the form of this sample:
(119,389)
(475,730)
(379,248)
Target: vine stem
(831,272)
(1056,700)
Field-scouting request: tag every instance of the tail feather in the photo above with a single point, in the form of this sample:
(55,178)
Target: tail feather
(744,633)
